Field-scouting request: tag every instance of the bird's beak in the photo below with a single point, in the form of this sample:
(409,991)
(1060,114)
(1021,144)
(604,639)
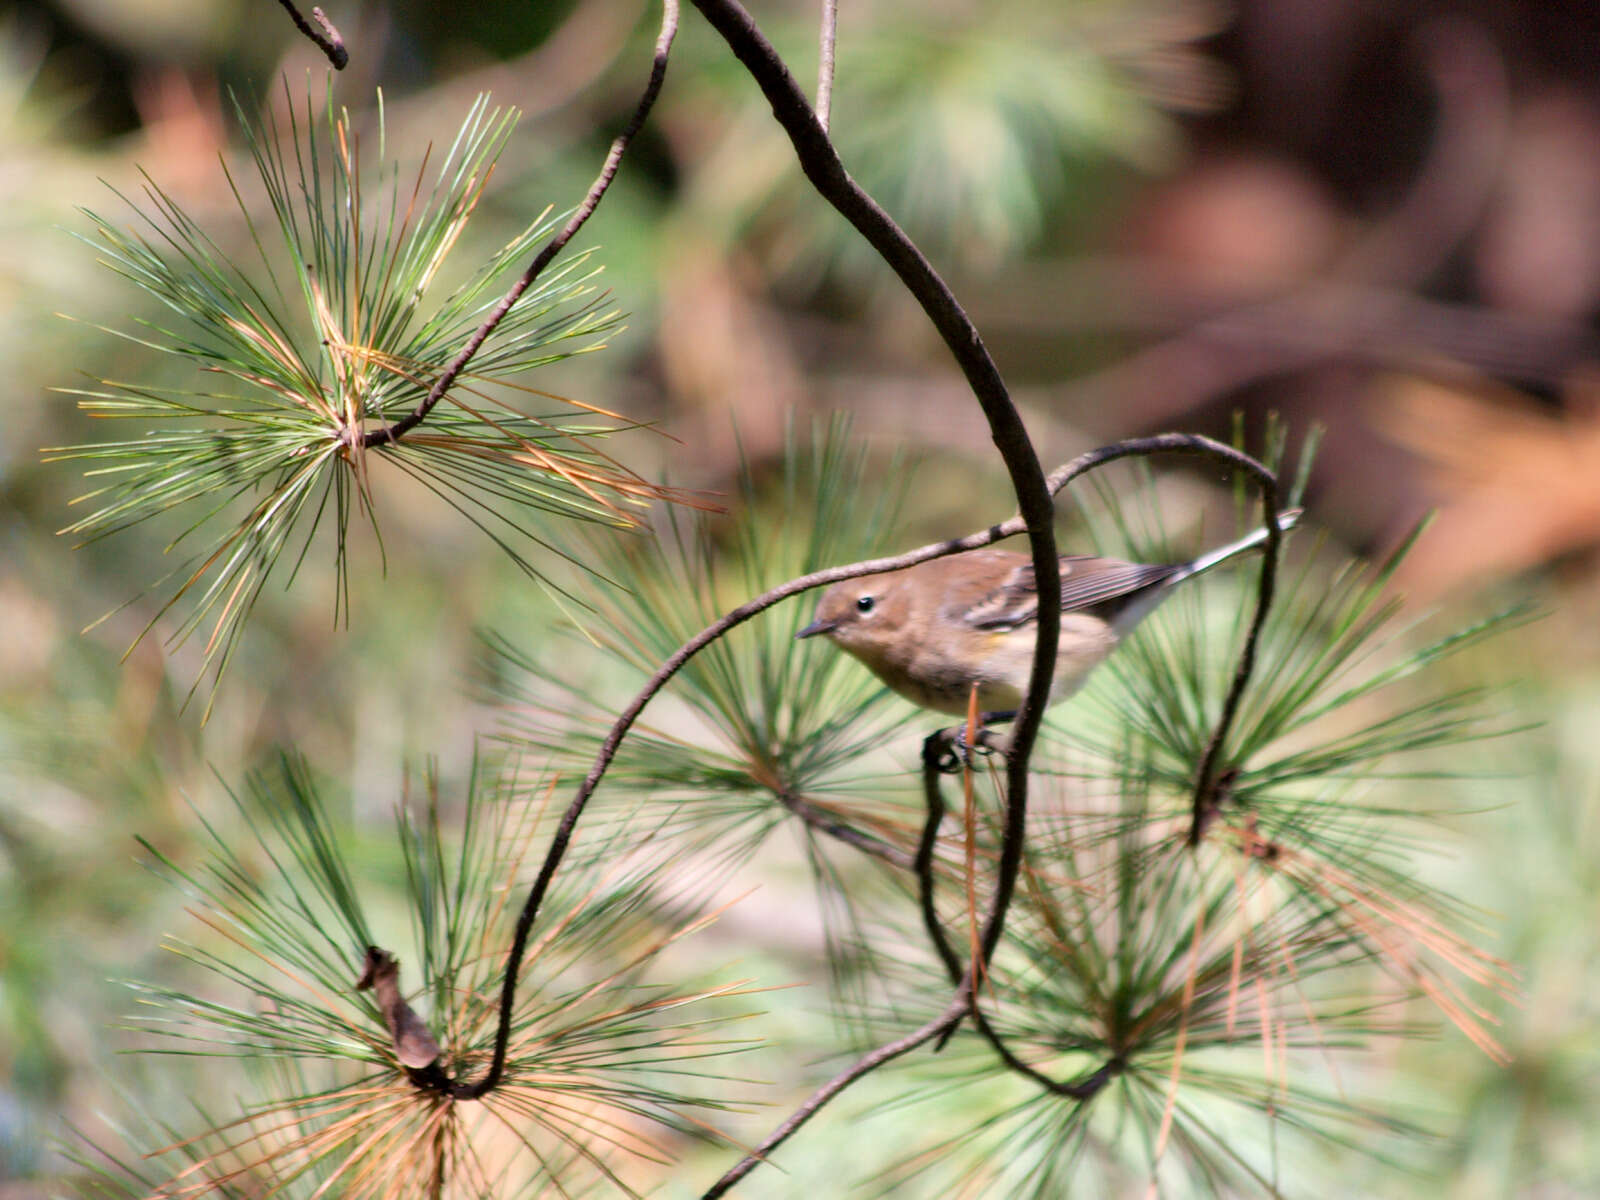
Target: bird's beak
(817,627)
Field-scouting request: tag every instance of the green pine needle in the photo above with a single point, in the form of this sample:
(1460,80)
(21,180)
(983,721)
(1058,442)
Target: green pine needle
(347,307)
(759,728)
(774,721)
(602,1060)
(1231,989)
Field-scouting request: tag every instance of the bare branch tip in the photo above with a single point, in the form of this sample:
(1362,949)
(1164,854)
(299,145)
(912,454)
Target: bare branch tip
(414,1044)
(328,40)
(335,49)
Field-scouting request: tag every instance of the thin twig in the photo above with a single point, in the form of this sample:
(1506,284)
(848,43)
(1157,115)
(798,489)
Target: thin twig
(1208,783)
(1206,788)
(820,162)
(822,821)
(658,69)
(864,1066)
(624,722)
(1206,775)
(969,823)
(1267,483)
(826,43)
(1085,1087)
(328,41)
(934,750)
(597,191)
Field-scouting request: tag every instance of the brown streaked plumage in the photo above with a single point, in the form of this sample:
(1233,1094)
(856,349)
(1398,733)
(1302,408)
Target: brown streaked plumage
(933,631)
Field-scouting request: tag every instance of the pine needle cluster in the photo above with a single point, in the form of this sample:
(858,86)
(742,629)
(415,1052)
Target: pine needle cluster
(312,340)
(610,1072)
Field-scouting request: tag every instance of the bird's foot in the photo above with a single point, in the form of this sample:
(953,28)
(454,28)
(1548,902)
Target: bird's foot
(952,751)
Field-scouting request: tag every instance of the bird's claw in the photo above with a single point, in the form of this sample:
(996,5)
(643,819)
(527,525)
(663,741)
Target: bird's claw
(957,753)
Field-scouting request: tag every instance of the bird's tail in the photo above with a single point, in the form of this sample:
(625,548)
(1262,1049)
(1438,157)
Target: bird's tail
(1211,558)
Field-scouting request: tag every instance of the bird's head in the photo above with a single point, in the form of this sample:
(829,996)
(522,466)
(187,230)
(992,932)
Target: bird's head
(861,615)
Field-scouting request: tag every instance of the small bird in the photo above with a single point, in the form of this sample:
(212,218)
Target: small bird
(934,630)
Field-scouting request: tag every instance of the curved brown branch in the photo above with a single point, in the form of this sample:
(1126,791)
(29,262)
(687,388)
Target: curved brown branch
(820,162)
(669,29)
(328,40)
(1084,1087)
(940,1026)
(822,821)
(1209,783)
(934,752)
(392,433)
(963,1003)
(625,721)
(865,1066)
(1206,780)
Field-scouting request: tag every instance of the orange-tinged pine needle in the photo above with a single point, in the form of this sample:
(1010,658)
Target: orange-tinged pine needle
(227,607)
(357,1097)
(466,205)
(970,816)
(309,396)
(361,1149)
(640,957)
(1286,955)
(1236,967)
(306,1146)
(1180,1042)
(527,1107)
(441,1116)
(329,1003)
(347,379)
(621,479)
(522,840)
(260,513)
(1269,1066)
(1399,931)
(590,1115)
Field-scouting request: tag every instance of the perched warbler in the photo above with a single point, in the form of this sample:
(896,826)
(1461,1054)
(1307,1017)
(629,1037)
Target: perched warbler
(934,630)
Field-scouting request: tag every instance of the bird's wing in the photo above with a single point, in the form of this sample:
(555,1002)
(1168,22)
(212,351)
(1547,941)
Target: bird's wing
(1086,583)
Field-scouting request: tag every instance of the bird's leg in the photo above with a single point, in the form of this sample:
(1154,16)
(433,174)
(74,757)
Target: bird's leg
(957,751)
(984,739)
(939,751)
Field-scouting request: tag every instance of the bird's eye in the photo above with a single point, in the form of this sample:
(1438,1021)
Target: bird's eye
(864,604)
